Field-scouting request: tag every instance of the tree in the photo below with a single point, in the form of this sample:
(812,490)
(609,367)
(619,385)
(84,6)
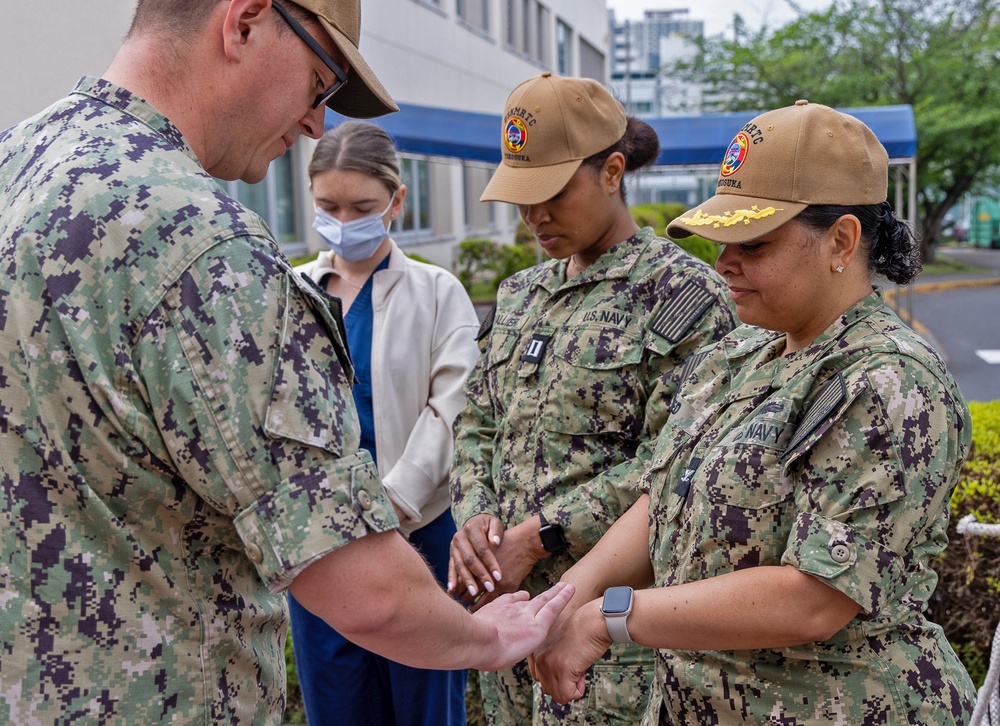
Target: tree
(942,57)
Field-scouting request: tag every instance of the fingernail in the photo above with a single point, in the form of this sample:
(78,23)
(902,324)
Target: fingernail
(473,590)
(488,585)
(450,585)
(496,539)
(496,575)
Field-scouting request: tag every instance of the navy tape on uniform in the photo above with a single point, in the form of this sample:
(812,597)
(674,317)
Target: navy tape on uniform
(680,313)
(536,348)
(487,324)
(823,406)
(689,365)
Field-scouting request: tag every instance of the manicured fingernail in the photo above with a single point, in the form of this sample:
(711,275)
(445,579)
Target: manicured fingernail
(496,539)
(450,585)
(496,575)
(473,590)
(488,585)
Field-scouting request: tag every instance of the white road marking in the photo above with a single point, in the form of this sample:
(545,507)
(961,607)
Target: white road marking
(990,356)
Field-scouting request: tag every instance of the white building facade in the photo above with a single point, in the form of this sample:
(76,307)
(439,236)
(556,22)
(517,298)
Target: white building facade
(451,55)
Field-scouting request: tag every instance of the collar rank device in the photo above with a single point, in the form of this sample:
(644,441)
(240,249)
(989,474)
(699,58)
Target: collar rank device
(616,608)
(553,539)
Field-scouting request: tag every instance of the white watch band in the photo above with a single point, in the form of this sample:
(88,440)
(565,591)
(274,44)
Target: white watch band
(617,628)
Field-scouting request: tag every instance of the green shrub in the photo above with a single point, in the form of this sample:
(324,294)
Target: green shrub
(656,215)
(967,597)
(295,712)
(699,247)
(477,259)
(419,258)
(296,261)
(660,214)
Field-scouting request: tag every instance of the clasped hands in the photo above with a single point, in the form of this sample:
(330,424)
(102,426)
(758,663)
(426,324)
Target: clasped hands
(487,561)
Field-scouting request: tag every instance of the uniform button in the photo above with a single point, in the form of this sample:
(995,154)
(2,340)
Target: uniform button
(365,500)
(254,553)
(840,553)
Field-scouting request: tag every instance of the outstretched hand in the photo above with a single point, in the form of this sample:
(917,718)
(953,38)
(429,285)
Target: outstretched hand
(521,624)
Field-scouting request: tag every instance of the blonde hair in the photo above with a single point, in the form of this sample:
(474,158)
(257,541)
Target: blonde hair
(358,146)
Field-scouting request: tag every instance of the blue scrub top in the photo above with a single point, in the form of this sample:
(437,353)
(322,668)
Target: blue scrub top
(359,322)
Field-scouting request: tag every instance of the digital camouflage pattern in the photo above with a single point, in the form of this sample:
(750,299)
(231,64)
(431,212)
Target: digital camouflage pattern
(574,381)
(839,460)
(178,438)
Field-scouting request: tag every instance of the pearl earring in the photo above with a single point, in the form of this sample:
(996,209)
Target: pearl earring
(840,268)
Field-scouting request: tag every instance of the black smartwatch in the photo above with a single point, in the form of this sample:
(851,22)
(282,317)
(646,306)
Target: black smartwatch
(553,539)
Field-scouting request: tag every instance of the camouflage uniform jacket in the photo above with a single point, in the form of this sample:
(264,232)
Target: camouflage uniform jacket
(178,438)
(839,460)
(573,383)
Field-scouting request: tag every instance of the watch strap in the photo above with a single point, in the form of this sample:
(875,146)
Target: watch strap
(617,628)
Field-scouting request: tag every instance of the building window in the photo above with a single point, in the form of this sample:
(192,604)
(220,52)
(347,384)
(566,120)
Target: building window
(475,13)
(526,24)
(591,61)
(509,24)
(417,210)
(564,46)
(273,199)
(541,25)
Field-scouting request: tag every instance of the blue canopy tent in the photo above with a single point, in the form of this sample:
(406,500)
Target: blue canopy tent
(684,140)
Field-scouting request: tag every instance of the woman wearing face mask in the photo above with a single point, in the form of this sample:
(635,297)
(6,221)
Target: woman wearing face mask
(411,331)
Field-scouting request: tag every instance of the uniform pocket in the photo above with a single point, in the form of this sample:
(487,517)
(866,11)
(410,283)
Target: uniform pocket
(311,389)
(594,383)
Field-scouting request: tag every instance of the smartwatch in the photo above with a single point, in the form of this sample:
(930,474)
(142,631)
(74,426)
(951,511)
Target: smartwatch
(553,539)
(616,607)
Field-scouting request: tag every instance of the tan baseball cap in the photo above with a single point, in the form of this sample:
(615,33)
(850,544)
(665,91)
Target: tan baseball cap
(362,96)
(780,163)
(550,126)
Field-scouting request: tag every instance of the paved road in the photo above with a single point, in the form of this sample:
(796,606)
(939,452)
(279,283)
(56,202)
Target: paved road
(965,323)
(960,315)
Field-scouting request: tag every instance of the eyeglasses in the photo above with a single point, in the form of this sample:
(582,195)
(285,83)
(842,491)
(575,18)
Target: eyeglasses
(316,48)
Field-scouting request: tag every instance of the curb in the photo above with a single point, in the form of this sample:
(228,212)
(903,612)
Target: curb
(891,295)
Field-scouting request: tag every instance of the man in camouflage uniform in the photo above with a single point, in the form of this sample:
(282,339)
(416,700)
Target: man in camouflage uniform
(574,380)
(179,444)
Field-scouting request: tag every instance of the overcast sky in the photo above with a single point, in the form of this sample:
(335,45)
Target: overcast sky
(718,14)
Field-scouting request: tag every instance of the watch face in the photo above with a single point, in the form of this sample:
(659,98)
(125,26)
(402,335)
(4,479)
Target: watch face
(617,600)
(552,538)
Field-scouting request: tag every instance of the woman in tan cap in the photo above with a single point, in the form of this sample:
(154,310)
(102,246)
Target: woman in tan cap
(799,491)
(579,361)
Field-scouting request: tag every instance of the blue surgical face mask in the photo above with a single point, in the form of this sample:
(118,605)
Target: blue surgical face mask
(355,240)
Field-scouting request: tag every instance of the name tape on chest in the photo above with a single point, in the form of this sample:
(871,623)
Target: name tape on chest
(828,399)
(685,306)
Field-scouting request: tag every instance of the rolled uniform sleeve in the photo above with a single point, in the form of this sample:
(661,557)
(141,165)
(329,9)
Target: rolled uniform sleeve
(255,408)
(870,482)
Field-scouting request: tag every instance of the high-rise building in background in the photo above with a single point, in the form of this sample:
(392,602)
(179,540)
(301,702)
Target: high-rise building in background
(642,53)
